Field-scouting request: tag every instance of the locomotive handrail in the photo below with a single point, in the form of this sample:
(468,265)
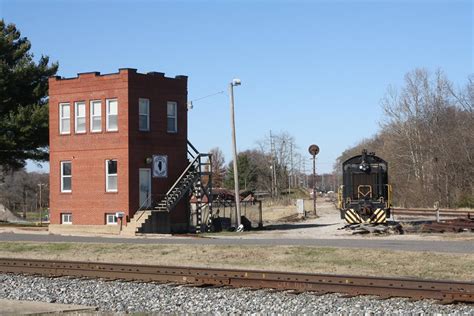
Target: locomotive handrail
(389,195)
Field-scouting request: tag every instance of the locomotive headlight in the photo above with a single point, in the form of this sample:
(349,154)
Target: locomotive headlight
(364,166)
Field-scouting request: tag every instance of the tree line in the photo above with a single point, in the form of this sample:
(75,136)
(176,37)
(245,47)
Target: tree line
(427,138)
(274,166)
(24,192)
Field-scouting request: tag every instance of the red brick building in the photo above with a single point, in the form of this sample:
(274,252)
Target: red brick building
(118,142)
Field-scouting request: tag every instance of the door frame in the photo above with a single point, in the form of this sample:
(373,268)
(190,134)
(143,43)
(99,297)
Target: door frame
(139,184)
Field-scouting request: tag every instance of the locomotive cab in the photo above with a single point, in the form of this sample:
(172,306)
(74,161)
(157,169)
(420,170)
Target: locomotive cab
(365,195)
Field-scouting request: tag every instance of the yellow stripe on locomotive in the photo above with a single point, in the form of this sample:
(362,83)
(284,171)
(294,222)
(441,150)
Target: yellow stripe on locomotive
(378,217)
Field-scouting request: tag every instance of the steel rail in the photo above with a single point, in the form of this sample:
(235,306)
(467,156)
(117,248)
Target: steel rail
(444,291)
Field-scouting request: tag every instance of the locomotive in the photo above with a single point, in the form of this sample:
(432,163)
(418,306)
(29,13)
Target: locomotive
(365,195)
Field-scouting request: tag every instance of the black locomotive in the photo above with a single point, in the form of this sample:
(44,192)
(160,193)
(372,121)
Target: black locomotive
(365,196)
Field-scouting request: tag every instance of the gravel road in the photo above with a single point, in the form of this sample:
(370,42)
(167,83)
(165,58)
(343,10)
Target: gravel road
(126,297)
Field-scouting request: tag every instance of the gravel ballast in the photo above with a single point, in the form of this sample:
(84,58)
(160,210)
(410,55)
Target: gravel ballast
(125,297)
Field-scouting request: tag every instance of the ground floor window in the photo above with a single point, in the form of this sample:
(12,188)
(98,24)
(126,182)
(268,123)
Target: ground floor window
(66,218)
(111,175)
(111,219)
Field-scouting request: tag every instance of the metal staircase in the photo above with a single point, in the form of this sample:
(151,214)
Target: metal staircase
(158,208)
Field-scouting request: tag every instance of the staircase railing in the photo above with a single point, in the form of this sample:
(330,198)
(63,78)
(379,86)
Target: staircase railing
(196,163)
(192,151)
(185,172)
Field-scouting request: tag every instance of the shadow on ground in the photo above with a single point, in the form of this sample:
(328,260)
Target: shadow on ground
(293,226)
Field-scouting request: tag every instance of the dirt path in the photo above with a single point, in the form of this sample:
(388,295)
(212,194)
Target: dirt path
(327,226)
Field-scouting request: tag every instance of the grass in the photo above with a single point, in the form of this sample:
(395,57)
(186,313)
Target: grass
(280,258)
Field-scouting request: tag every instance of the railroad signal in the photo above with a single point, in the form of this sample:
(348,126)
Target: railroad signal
(314,150)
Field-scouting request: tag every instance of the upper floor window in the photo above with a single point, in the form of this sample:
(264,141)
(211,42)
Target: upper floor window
(66,176)
(172,114)
(64,118)
(80,117)
(111,175)
(112,115)
(96,116)
(144,114)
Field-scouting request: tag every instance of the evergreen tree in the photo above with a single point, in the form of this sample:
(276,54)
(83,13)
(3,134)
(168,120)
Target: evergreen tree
(23,100)
(247,175)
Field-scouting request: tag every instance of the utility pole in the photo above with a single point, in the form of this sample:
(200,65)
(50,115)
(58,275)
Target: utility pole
(40,203)
(274,171)
(290,175)
(235,82)
(305,179)
(272,168)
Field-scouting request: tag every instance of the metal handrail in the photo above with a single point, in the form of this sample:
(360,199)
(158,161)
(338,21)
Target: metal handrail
(183,174)
(149,199)
(196,152)
(196,159)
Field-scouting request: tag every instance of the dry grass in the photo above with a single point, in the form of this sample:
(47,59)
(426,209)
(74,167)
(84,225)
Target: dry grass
(280,258)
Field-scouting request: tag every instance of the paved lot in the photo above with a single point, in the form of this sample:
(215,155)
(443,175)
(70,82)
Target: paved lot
(14,307)
(406,245)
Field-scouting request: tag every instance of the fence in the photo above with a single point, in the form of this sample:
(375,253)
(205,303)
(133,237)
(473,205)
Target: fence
(437,213)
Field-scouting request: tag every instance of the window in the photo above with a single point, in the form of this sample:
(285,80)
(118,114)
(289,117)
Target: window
(64,118)
(66,218)
(110,219)
(112,115)
(96,116)
(66,176)
(144,114)
(111,175)
(172,117)
(80,117)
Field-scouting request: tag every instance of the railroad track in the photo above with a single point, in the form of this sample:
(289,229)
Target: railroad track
(443,291)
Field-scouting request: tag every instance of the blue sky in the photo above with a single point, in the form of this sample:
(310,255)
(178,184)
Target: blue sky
(316,69)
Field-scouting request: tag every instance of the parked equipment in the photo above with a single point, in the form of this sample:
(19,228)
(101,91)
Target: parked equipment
(365,196)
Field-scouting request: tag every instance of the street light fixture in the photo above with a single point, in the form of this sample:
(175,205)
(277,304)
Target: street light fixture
(233,83)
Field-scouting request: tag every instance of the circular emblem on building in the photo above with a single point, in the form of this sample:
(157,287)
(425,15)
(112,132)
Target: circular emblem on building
(160,166)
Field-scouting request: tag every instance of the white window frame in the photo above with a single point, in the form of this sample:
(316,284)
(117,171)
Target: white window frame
(61,118)
(147,114)
(65,176)
(107,114)
(175,104)
(92,116)
(76,117)
(111,215)
(67,216)
(107,175)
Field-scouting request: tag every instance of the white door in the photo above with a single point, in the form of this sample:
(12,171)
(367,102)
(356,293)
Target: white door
(145,187)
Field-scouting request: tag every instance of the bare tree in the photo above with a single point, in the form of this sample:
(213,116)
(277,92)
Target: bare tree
(281,149)
(218,167)
(20,191)
(427,138)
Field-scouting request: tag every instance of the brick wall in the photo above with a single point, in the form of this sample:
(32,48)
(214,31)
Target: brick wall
(159,90)
(89,202)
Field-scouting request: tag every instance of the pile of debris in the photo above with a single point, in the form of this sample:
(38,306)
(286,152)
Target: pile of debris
(389,228)
(457,225)
(7,216)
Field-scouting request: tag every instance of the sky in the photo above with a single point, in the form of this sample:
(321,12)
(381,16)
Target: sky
(314,69)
